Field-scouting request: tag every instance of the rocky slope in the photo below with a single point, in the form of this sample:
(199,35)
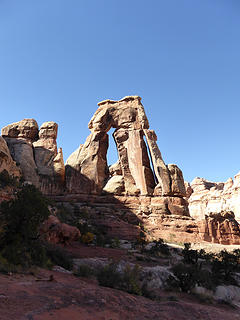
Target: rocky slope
(59,295)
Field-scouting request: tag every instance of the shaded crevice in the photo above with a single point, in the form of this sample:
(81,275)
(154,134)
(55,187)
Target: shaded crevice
(150,160)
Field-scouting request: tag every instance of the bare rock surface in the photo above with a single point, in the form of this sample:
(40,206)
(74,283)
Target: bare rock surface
(6,161)
(220,228)
(35,152)
(56,232)
(26,128)
(115,185)
(213,197)
(22,153)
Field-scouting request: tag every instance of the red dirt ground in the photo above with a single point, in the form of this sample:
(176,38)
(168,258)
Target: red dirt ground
(70,298)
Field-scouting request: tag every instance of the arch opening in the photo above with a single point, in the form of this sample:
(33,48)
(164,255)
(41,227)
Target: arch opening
(112,152)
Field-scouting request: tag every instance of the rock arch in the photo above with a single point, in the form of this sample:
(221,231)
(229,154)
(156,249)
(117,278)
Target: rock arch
(128,118)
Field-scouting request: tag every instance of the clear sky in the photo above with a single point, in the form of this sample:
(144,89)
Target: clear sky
(59,58)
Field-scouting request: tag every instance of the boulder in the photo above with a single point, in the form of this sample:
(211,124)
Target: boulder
(115,185)
(56,232)
(115,169)
(26,128)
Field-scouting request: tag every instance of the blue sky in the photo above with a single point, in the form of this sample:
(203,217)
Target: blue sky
(59,58)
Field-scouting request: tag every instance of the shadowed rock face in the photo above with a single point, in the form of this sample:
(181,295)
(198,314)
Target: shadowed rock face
(6,161)
(128,117)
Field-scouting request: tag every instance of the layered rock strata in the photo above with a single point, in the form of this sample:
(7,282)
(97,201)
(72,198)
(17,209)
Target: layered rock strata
(220,228)
(208,197)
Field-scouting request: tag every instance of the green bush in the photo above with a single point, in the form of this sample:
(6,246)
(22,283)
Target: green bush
(84,271)
(159,248)
(224,265)
(7,180)
(188,276)
(115,243)
(20,218)
(109,276)
(128,280)
(58,256)
(190,256)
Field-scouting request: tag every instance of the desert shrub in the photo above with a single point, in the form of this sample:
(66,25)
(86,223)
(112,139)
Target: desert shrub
(7,180)
(142,237)
(159,248)
(21,217)
(84,271)
(115,243)
(188,276)
(223,266)
(58,256)
(190,256)
(128,280)
(87,238)
(109,276)
(185,277)
(100,240)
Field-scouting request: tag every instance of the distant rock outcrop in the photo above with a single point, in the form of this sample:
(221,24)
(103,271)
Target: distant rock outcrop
(213,197)
(220,228)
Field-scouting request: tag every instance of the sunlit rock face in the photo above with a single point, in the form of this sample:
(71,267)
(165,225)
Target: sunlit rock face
(35,152)
(220,228)
(213,197)
(20,137)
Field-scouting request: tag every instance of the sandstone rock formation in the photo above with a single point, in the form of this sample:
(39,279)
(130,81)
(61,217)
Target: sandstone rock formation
(6,161)
(211,197)
(19,137)
(138,190)
(49,161)
(133,169)
(56,232)
(220,228)
(35,152)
